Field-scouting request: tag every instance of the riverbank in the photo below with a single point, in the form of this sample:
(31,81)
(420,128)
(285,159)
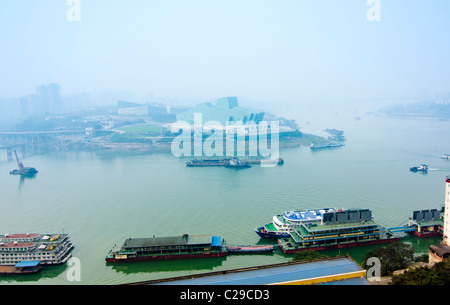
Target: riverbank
(163,144)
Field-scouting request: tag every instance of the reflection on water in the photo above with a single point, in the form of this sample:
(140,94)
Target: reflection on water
(23,178)
(46,273)
(102,198)
(196,264)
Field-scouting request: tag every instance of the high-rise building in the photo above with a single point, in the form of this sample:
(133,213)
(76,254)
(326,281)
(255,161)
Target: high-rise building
(446,239)
(441,252)
(48,99)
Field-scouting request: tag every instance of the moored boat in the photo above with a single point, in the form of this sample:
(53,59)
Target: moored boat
(338,229)
(165,248)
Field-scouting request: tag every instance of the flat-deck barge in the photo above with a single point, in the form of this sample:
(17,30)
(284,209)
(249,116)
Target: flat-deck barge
(227,161)
(165,248)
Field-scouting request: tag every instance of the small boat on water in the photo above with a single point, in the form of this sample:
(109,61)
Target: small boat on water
(250,249)
(445,157)
(265,232)
(421,168)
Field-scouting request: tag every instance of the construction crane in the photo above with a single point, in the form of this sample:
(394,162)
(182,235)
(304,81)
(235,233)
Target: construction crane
(26,171)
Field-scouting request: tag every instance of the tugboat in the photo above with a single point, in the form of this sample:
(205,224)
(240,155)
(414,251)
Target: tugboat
(421,168)
(24,171)
(236,163)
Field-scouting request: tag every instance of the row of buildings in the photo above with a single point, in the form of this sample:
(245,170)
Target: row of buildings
(46,99)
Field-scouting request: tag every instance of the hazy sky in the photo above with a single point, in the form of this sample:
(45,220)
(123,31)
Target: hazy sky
(283,50)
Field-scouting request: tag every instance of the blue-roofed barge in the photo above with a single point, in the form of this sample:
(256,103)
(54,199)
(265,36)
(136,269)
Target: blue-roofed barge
(164,248)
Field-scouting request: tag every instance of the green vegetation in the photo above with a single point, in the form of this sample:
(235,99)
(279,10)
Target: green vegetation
(394,257)
(439,274)
(144,129)
(308,255)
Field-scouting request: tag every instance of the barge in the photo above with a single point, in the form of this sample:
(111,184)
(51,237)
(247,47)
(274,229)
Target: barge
(165,248)
(22,170)
(337,229)
(231,162)
(21,250)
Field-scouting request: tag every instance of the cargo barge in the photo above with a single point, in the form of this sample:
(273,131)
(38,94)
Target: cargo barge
(337,229)
(231,162)
(27,252)
(166,248)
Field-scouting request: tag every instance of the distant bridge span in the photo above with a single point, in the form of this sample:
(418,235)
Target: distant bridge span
(10,140)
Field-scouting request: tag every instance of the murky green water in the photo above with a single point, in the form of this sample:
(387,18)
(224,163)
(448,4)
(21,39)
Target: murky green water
(102,198)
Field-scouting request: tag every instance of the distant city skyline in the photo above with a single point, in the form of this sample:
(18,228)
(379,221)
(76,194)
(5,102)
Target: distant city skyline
(284,51)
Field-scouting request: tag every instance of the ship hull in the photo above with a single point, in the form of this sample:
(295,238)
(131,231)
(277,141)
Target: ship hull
(427,234)
(270,234)
(164,257)
(339,246)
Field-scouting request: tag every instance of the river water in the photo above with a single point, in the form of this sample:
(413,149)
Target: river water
(102,198)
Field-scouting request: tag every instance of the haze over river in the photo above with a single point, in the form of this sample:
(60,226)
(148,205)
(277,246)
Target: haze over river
(102,198)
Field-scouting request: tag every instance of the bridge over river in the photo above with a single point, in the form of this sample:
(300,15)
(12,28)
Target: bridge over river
(35,140)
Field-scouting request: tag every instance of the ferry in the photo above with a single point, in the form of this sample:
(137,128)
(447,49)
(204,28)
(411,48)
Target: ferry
(283,224)
(165,248)
(337,229)
(33,250)
(421,168)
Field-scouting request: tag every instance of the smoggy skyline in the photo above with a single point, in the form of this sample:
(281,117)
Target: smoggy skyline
(287,50)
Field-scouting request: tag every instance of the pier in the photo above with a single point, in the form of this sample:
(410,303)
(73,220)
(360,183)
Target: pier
(425,223)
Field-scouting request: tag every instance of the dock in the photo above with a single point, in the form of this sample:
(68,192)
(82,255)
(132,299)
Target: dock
(424,223)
